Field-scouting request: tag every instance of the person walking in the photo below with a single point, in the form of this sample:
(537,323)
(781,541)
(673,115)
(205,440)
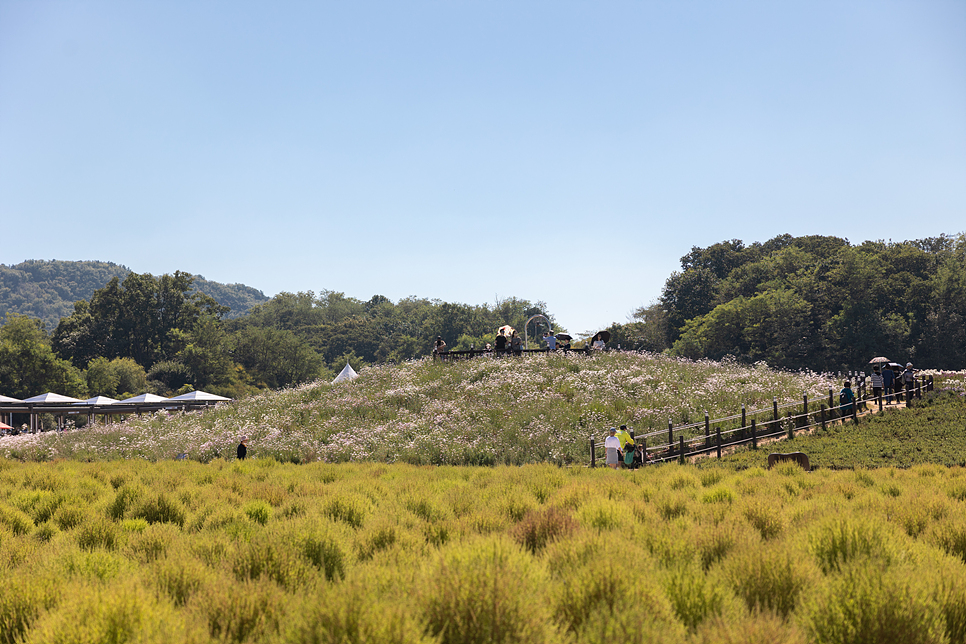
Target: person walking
(612,446)
(888,381)
(847,399)
(876,383)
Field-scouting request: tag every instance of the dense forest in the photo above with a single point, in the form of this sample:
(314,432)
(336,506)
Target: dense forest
(47,289)
(160,334)
(812,303)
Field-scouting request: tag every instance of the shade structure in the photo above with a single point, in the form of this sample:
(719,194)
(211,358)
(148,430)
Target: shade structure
(4,399)
(50,397)
(199,395)
(98,400)
(347,373)
(143,398)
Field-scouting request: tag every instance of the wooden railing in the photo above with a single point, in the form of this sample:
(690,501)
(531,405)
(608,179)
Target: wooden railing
(751,426)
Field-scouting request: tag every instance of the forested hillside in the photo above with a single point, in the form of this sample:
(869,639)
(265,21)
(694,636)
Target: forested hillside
(48,289)
(161,334)
(812,302)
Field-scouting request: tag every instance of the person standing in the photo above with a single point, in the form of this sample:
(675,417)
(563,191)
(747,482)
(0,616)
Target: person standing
(500,343)
(517,344)
(551,341)
(888,381)
(242,451)
(612,446)
(876,383)
(439,346)
(909,381)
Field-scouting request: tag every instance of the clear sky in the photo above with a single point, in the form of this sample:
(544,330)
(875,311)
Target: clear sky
(569,152)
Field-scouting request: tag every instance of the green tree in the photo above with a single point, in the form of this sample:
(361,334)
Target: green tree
(276,358)
(117,378)
(144,317)
(28,366)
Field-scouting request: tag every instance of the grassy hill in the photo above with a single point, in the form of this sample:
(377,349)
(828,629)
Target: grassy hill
(931,431)
(48,289)
(541,408)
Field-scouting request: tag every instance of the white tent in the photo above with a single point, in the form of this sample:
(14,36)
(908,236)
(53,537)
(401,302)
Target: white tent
(51,398)
(143,398)
(4,399)
(346,374)
(98,400)
(198,395)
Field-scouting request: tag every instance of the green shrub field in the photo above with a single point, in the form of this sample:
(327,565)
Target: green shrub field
(262,551)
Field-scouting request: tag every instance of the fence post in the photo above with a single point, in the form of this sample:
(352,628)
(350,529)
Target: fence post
(855,415)
(644,452)
(593,453)
(918,382)
(754,435)
(880,402)
(707,429)
(670,433)
(742,420)
(681,455)
(831,400)
(791,425)
(929,384)
(805,405)
(776,421)
(718,432)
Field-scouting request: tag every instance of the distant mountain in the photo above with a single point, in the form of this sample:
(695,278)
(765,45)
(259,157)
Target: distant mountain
(47,289)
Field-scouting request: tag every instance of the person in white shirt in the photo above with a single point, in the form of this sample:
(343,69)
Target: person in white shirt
(612,446)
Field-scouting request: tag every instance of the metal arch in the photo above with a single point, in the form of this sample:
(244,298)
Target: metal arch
(526,340)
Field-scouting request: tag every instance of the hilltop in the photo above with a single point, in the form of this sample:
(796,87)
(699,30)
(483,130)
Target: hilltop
(540,408)
(47,289)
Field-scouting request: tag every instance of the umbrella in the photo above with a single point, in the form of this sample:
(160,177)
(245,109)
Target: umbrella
(878,360)
(563,337)
(603,335)
(5,426)
(506,330)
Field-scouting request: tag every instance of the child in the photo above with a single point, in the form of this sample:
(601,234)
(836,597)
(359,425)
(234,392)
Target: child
(847,399)
(629,455)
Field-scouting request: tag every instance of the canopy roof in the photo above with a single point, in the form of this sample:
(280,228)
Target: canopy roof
(199,395)
(98,400)
(348,373)
(4,399)
(143,398)
(50,397)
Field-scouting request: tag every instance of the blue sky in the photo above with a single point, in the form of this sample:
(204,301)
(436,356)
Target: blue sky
(569,152)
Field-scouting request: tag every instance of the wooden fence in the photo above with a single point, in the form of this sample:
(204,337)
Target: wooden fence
(750,426)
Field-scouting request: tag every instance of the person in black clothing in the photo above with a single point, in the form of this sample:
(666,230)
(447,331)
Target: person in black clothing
(242,450)
(500,344)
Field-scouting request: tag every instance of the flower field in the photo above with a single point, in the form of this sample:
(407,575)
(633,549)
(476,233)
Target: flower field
(539,408)
(261,551)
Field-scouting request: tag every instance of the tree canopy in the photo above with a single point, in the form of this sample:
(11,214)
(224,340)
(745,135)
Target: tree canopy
(815,302)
